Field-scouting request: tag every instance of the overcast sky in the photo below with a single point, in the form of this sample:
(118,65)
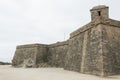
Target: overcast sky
(44,21)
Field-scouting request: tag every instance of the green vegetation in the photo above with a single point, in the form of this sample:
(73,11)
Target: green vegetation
(4,63)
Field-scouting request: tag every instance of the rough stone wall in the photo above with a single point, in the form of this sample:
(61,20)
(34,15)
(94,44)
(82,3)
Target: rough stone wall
(57,53)
(92,56)
(84,51)
(111,49)
(28,55)
(74,54)
(42,56)
(39,55)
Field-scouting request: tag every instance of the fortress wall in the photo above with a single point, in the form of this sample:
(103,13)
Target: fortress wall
(39,55)
(26,55)
(111,49)
(57,53)
(84,51)
(42,56)
(92,62)
(74,54)
(92,49)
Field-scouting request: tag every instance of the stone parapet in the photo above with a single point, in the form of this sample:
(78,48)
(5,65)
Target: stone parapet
(31,45)
(109,22)
(113,23)
(58,44)
(80,30)
(99,7)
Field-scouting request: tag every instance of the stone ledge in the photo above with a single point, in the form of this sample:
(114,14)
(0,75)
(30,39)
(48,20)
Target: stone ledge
(109,22)
(114,23)
(99,7)
(31,46)
(58,44)
(80,30)
(43,45)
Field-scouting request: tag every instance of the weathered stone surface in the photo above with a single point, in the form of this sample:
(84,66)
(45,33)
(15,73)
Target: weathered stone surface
(57,53)
(92,49)
(74,54)
(111,49)
(29,55)
(92,63)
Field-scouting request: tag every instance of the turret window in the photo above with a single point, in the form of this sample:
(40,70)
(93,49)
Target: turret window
(99,13)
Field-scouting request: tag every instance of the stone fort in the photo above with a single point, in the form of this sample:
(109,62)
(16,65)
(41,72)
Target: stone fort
(92,49)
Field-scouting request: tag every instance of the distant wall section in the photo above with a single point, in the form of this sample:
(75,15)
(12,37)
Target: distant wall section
(29,55)
(57,54)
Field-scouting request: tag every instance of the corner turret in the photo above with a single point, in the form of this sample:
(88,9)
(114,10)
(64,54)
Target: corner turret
(99,12)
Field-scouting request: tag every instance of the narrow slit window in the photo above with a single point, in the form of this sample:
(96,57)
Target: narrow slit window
(99,13)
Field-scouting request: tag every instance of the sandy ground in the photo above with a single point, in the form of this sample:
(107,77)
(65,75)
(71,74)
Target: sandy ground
(10,73)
